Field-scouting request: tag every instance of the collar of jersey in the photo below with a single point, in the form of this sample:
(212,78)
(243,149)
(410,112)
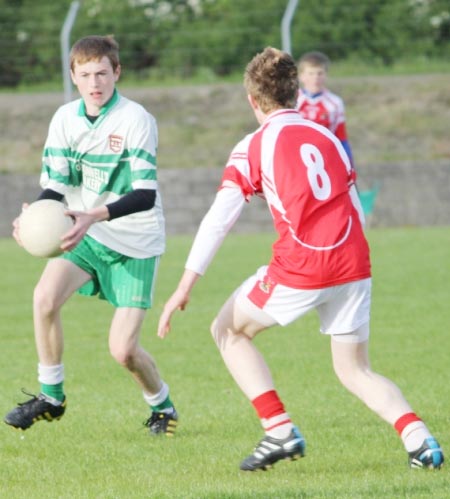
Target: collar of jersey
(103,111)
(277,112)
(311,95)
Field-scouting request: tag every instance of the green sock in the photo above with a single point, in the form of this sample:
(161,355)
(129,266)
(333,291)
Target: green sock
(54,391)
(167,404)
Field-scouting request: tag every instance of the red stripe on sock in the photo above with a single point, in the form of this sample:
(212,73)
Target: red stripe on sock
(268,405)
(403,421)
(280,423)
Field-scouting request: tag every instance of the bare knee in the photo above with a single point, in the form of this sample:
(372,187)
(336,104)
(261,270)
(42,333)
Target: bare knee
(124,344)
(123,355)
(351,363)
(221,331)
(45,302)
(354,377)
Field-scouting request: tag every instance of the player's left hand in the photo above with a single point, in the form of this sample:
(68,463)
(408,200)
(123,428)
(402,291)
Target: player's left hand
(82,223)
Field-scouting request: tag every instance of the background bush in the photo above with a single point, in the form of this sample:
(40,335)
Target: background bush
(183,37)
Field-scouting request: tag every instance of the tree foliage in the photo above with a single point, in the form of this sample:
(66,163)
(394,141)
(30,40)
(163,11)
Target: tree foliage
(378,30)
(10,51)
(184,36)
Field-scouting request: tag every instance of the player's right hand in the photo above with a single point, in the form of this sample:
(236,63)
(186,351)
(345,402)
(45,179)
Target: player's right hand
(177,301)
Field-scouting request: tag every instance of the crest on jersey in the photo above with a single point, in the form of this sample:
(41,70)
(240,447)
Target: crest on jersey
(266,285)
(115,143)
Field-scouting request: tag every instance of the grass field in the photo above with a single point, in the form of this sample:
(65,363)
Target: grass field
(100,450)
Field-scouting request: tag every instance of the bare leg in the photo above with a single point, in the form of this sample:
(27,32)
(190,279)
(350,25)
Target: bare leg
(233,331)
(58,282)
(352,367)
(124,347)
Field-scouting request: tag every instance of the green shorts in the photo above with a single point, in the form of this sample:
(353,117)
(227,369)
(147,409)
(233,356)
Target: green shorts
(121,280)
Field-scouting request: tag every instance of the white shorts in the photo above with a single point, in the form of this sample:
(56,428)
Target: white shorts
(342,309)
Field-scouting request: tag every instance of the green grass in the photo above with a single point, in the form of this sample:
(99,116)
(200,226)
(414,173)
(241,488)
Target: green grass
(99,450)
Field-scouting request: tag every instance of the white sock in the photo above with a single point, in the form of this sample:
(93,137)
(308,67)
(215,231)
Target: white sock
(51,375)
(158,398)
(414,434)
(278,427)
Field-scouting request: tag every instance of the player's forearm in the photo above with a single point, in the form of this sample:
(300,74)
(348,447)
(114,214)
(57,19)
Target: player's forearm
(50,194)
(99,214)
(214,227)
(187,281)
(133,202)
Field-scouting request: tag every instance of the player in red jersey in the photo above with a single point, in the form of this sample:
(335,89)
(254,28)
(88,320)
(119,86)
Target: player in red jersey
(320,261)
(315,102)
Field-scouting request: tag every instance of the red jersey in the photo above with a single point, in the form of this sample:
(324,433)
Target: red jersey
(305,175)
(326,109)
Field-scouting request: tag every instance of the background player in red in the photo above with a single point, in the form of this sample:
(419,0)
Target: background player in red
(320,261)
(315,102)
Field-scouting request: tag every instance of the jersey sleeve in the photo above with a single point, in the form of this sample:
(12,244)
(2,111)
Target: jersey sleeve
(215,225)
(142,144)
(341,128)
(341,131)
(55,169)
(348,149)
(239,171)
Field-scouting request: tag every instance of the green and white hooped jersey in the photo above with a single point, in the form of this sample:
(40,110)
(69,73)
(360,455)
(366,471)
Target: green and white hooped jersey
(93,164)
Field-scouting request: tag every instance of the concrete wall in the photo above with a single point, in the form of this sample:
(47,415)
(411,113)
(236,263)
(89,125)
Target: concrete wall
(410,194)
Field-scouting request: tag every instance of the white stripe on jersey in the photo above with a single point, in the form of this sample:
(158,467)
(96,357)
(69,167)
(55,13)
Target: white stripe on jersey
(332,103)
(268,142)
(118,148)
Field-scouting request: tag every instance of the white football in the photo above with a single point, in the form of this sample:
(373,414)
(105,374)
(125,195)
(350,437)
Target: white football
(41,226)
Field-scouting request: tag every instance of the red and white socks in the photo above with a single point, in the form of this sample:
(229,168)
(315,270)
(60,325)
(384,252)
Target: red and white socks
(274,419)
(412,431)
(277,423)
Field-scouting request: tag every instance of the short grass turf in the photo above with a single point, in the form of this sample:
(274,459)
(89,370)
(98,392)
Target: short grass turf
(100,449)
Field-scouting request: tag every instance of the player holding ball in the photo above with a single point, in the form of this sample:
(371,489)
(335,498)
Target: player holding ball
(100,158)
